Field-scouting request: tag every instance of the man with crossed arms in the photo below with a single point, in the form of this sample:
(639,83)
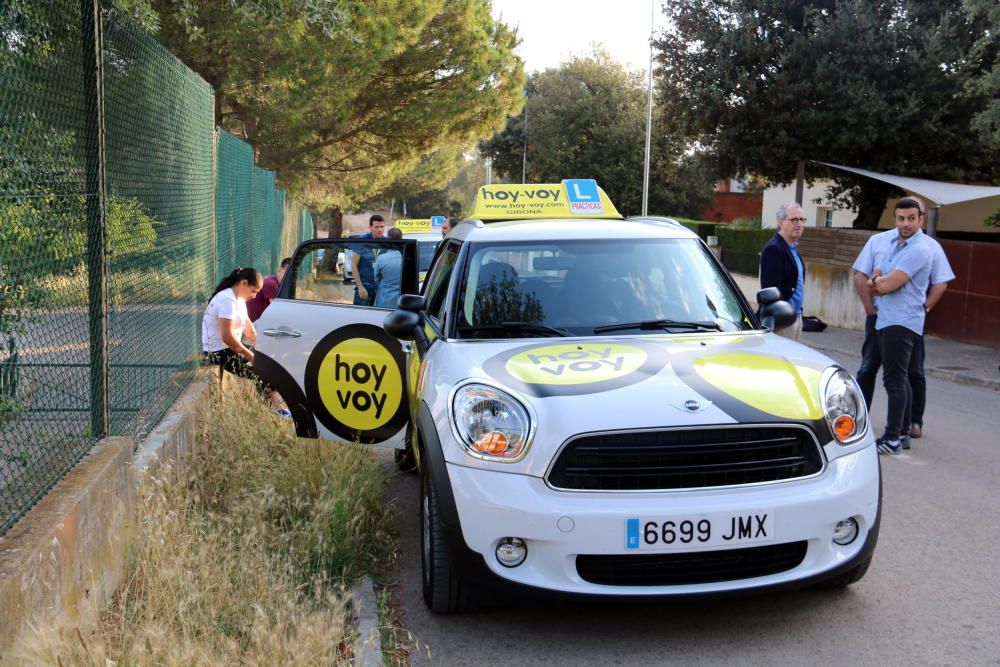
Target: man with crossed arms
(871,356)
(895,267)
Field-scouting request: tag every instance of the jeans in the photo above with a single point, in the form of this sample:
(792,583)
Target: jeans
(897,345)
(918,384)
(871,360)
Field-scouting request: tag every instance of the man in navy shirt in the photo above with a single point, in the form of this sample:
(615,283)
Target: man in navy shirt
(781,266)
(897,264)
(363,264)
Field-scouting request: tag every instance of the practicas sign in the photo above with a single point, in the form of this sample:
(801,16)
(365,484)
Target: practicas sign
(573,198)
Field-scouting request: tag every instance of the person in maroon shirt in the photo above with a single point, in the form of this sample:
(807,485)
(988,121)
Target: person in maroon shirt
(257,305)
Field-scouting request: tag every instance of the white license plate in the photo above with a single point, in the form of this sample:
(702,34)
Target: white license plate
(699,530)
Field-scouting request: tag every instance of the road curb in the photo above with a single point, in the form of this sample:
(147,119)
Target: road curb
(952,376)
(368,645)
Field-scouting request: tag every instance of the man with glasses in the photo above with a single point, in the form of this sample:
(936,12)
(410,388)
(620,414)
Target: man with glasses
(781,266)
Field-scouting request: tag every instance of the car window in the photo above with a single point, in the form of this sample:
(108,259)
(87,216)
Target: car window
(582,285)
(436,287)
(321,271)
(427,249)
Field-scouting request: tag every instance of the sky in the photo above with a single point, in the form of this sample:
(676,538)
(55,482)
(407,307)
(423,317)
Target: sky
(552,31)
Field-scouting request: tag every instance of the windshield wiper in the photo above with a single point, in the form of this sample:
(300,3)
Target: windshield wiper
(659,324)
(521,326)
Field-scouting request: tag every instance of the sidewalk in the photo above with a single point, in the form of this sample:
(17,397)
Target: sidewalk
(946,359)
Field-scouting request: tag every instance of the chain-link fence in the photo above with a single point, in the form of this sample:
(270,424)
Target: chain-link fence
(120,207)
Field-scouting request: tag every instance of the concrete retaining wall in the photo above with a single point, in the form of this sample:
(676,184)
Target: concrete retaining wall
(830,295)
(61,563)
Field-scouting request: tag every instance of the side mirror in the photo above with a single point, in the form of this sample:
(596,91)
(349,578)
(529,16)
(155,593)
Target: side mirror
(411,302)
(777,314)
(768,295)
(407,324)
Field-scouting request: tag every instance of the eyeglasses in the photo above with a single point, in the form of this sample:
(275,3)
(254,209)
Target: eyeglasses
(795,219)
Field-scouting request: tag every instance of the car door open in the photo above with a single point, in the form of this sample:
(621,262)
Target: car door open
(342,376)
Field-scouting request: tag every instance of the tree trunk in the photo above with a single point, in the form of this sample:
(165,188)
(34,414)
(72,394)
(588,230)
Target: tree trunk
(336,223)
(871,198)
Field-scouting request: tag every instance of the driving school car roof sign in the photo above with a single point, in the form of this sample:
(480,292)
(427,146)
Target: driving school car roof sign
(573,198)
(414,225)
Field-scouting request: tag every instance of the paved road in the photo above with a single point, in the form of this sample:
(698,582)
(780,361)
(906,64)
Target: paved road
(931,597)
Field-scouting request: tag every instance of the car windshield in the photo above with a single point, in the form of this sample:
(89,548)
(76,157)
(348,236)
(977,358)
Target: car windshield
(594,287)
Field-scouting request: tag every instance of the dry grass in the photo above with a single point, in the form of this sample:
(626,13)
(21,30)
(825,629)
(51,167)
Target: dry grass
(245,561)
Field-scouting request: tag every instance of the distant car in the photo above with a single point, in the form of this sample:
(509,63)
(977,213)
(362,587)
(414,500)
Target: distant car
(593,407)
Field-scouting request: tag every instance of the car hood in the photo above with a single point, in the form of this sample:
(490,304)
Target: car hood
(648,382)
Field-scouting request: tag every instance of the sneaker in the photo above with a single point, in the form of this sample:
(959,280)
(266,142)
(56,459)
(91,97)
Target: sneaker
(904,441)
(283,412)
(887,446)
(916,431)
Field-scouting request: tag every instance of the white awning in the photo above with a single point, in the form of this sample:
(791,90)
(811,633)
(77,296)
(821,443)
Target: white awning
(939,192)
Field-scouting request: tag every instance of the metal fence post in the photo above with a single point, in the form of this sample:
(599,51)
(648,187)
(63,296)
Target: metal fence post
(97,281)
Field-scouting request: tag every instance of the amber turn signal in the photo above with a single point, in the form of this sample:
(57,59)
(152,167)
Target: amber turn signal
(492,443)
(843,427)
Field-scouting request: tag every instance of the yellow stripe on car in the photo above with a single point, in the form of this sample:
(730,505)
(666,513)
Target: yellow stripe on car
(769,384)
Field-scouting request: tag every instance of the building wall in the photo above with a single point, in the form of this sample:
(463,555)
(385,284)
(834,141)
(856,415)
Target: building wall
(815,204)
(966,217)
(729,206)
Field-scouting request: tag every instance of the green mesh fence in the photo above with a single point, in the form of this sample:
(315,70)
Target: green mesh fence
(257,223)
(102,288)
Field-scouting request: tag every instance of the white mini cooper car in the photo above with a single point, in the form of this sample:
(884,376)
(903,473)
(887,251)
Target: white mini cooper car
(593,406)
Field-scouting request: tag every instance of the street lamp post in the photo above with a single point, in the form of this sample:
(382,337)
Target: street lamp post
(649,113)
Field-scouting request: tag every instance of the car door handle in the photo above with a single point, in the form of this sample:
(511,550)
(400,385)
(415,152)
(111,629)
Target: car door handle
(282,332)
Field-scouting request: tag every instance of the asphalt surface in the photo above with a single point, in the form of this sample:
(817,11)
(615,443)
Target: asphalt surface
(931,597)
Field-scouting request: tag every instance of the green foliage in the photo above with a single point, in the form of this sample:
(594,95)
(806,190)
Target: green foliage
(992,220)
(458,179)
(587,119)
(743,240)
(890,85)
(985,53)
(343,99)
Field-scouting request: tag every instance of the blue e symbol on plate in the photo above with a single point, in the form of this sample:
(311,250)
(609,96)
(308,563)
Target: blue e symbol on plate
(583,196)
(631,533)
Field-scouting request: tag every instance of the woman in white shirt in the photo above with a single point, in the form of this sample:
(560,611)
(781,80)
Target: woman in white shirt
(226,321)
(226,324)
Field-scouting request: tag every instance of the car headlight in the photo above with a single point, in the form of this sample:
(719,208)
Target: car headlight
(490,423)
(844,406)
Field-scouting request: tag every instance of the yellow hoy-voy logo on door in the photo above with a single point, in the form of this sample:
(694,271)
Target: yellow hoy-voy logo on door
(575,364)
(360,384)
(355,383)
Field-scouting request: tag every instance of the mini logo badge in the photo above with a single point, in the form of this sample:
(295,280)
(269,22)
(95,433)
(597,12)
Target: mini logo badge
(691,405)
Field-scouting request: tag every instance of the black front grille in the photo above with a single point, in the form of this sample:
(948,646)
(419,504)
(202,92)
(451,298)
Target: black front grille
(702,567)
(685,459)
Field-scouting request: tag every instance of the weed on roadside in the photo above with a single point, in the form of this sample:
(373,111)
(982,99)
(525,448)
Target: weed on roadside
(245,559)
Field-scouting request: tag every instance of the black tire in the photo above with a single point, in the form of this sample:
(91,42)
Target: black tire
(849,577)
(444,591)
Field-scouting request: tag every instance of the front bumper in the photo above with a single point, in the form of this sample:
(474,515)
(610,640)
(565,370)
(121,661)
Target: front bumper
(559,525)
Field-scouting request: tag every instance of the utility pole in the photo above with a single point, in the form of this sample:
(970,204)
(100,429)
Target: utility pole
(800,177)
(649,113)
(524,150)
(92,32)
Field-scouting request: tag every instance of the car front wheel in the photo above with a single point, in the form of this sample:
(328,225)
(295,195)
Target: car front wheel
(444,590)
